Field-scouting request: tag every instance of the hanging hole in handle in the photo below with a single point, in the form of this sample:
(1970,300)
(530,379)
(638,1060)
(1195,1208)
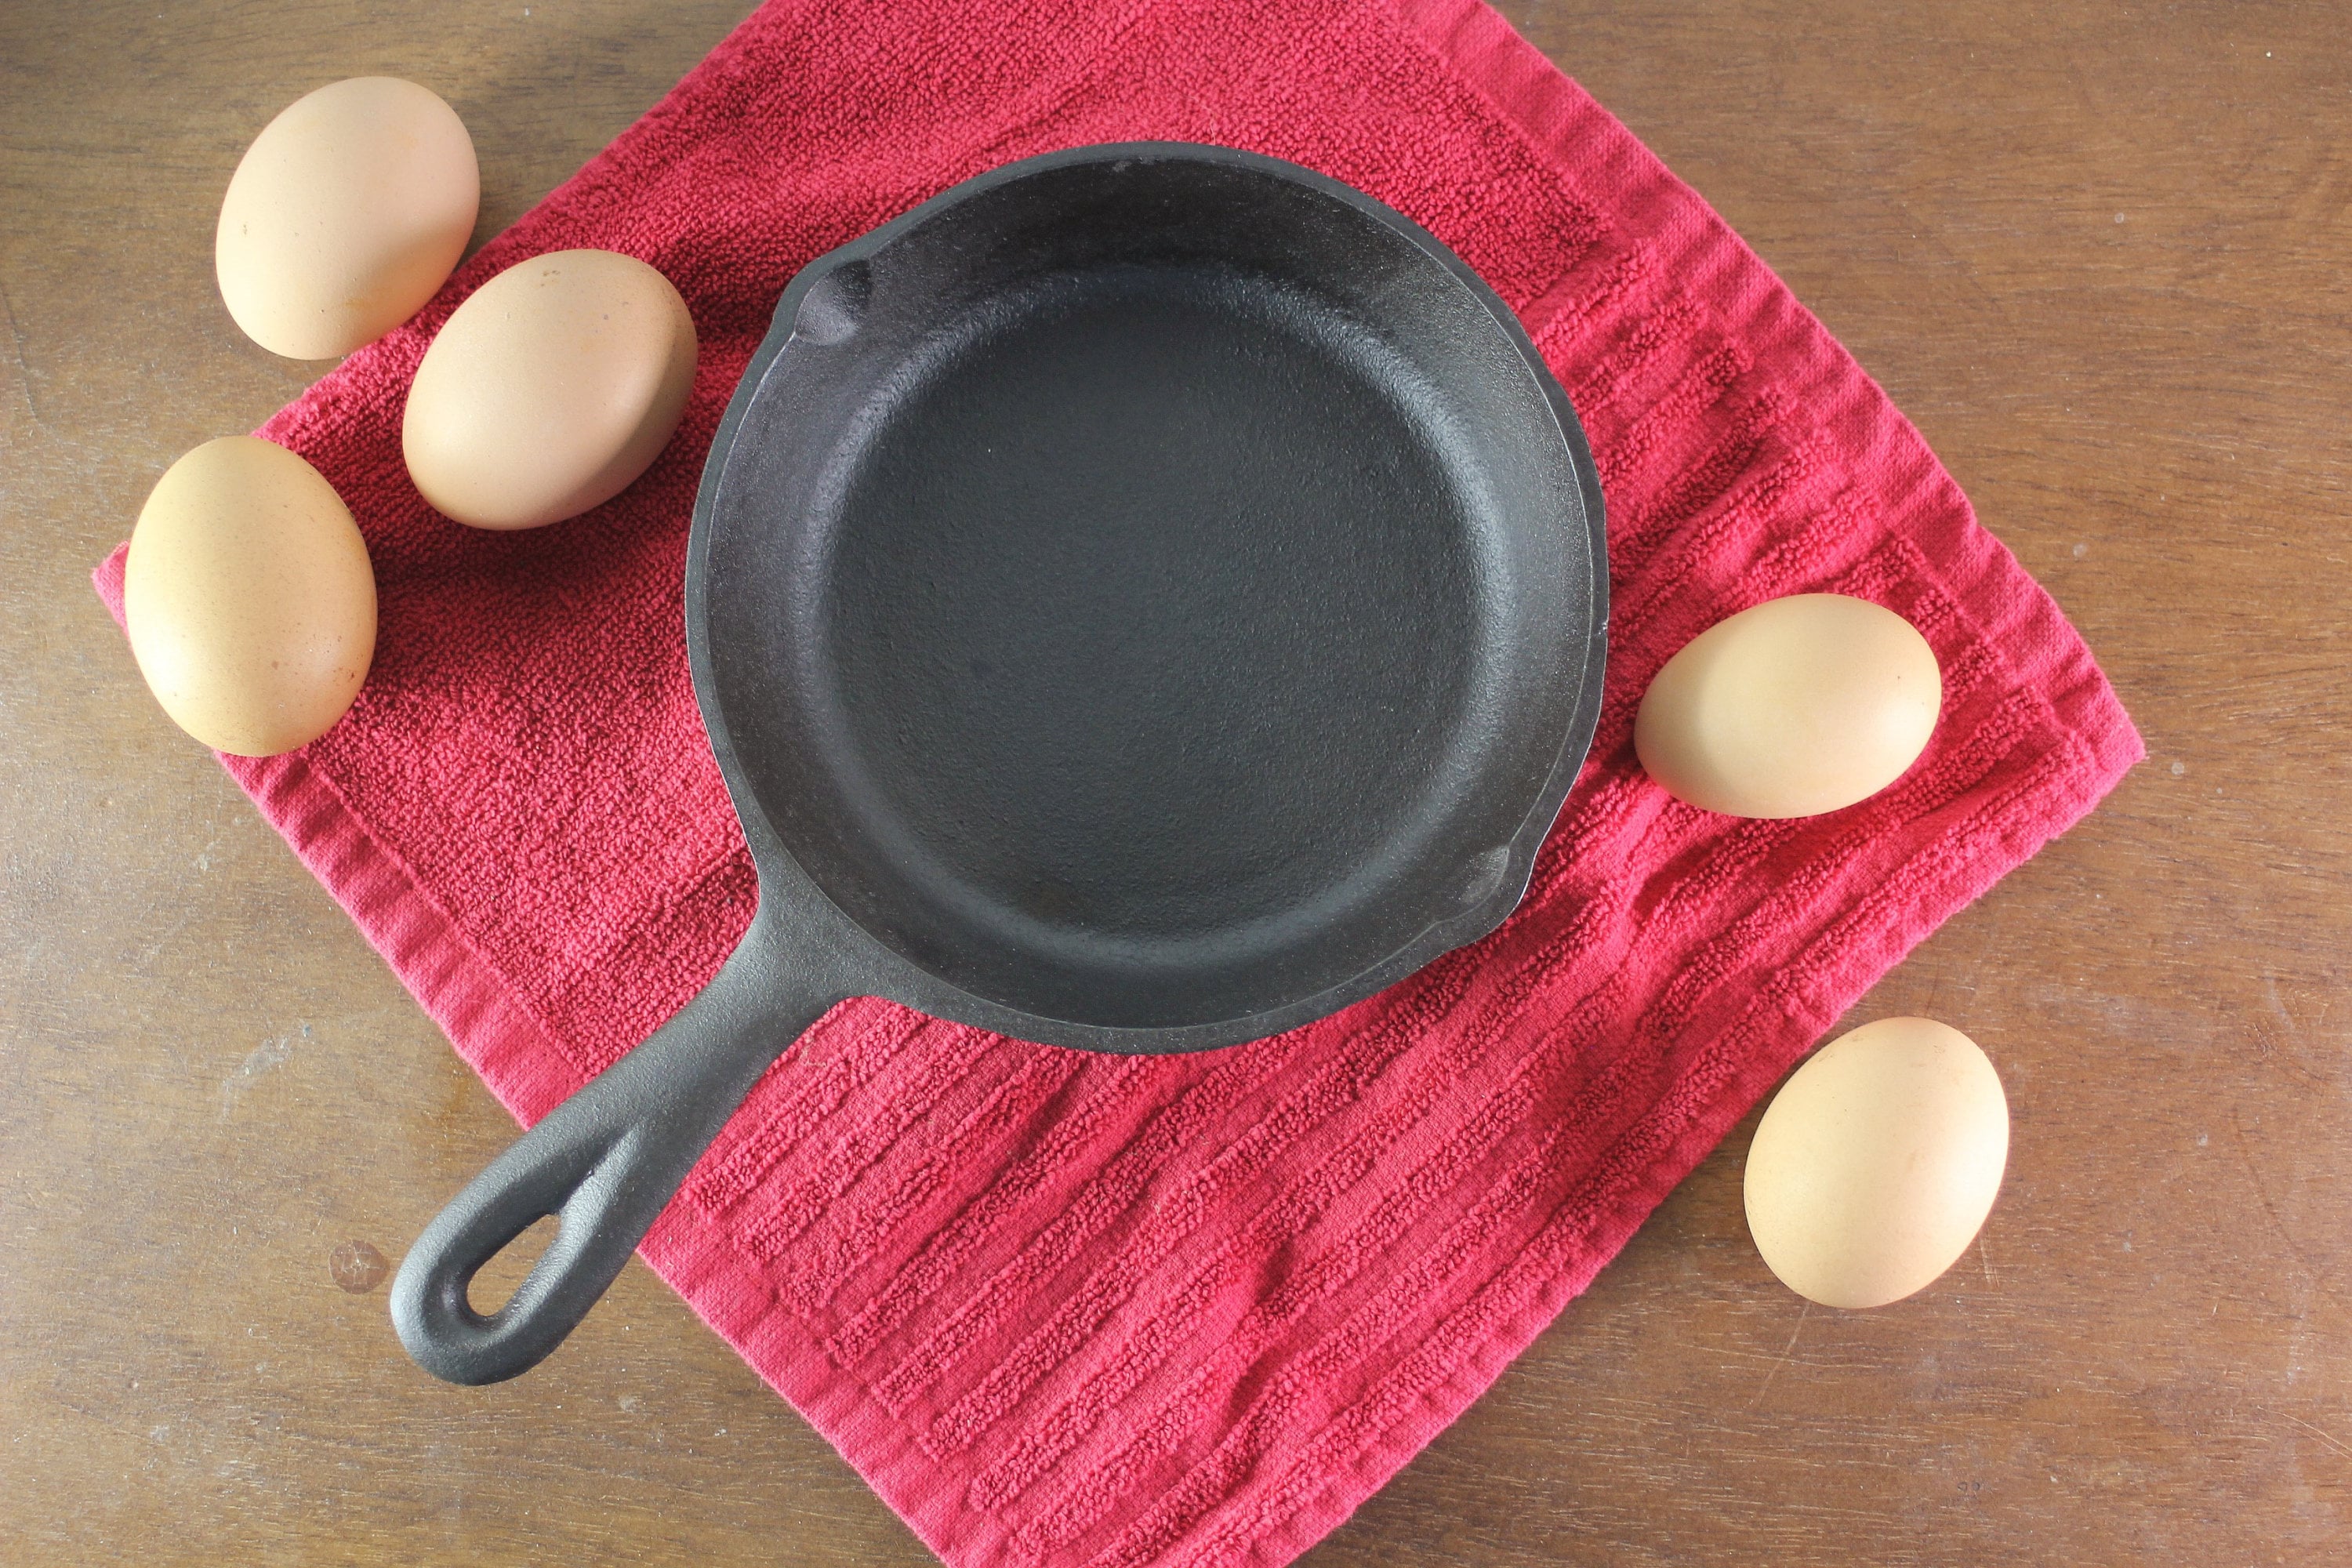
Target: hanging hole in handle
(495,1283)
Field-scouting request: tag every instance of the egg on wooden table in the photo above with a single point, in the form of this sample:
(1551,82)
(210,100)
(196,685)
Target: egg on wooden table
(1798,706)
(551,388)
(346,214)
(248,597)
(1877,1162)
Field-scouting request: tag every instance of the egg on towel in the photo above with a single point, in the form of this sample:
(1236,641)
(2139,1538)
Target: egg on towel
(248,597)
(347,212)
(1877,1162)
(552,387)
(1798,706)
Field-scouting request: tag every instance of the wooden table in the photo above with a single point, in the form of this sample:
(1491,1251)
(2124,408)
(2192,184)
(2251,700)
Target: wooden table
(2098,252)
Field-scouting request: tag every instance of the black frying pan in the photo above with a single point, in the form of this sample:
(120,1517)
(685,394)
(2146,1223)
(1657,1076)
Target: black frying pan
(1145,598)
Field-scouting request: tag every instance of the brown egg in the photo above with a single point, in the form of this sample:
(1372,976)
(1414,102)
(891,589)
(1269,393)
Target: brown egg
(555,384)
(1877,1162)
(248,597)
(1799,706)
(345,215)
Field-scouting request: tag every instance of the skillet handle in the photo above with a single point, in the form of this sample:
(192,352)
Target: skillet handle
(607,1160)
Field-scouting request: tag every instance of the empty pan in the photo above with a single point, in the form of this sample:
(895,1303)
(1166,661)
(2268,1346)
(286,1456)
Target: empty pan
(1148,597)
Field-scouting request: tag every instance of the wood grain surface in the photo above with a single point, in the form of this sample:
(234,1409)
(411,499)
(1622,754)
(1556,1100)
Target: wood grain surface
(2097,251)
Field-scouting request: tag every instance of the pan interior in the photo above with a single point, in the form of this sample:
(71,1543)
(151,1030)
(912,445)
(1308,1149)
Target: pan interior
(1139,595)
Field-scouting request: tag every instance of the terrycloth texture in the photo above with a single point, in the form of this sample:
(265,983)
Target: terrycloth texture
(1066,1310)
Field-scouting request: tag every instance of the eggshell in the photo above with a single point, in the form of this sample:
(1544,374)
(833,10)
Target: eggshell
(248,597)
(345,215)
(549,389)
(1799,706)
(1877,1162)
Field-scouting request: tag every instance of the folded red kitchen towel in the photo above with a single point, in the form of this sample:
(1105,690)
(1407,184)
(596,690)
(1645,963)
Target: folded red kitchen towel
(1065,1308)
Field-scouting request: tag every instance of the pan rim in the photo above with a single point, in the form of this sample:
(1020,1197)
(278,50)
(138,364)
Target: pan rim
(867,964)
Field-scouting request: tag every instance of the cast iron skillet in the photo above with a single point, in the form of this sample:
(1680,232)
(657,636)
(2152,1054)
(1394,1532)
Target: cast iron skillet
(1148,597)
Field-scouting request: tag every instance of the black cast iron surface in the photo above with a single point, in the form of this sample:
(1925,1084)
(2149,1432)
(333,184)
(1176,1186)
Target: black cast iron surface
(1144,599)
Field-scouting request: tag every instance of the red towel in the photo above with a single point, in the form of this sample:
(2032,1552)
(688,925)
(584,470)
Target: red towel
(1062,1309)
